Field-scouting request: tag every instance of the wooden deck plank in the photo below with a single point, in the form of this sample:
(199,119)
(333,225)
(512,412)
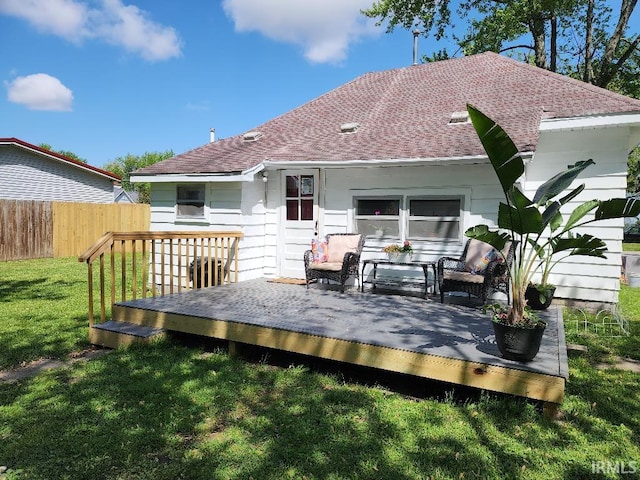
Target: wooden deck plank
(113,334)
(395,333)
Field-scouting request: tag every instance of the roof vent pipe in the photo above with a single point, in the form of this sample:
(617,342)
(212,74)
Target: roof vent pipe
(416,33)
(212,135)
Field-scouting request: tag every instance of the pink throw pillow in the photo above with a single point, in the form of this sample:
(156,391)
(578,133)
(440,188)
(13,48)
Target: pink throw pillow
(319,250)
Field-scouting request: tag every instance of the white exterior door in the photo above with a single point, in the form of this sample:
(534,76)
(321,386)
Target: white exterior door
(299,219)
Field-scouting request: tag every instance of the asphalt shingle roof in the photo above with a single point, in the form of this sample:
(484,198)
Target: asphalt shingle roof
(404,114)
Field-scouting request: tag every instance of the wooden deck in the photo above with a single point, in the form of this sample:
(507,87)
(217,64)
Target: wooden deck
(404,334)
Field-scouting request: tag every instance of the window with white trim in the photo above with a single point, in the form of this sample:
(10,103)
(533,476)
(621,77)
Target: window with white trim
(429,218)
(433,218)
(190,201)
(379,217)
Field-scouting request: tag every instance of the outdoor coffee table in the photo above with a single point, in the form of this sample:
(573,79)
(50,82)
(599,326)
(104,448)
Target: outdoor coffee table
(395,281)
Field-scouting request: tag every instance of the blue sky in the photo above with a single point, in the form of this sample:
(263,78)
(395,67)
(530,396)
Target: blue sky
(104,78)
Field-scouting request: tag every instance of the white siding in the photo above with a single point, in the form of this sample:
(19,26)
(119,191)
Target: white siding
(253,261)
(470,182)
(255,207)
(587,278)
(27,176)
(229,206)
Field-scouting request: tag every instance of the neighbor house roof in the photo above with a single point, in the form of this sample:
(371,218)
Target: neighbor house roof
(58,157)
(405,113)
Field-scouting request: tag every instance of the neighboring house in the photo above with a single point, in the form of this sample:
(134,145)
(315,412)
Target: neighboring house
(392,155)
(120,195)
(28,172)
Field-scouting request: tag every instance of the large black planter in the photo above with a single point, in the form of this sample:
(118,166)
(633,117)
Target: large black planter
(539,299)
(517,343)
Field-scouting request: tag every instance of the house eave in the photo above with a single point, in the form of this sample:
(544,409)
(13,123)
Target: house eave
(56,157)
(631,119)
(192,177)
(250,174)
(371,163)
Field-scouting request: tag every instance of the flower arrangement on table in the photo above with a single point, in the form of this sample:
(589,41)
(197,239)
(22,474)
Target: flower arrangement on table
(396,252)
(395,248)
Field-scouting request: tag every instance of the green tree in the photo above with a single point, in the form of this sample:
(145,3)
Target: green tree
(583,38)
(66,153)
(633,173)
(123,166)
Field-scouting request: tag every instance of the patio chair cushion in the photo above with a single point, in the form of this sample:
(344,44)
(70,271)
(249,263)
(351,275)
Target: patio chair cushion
(331,266)
(341,244)
(480,254)
(319,250)
(467,277)
(480,267)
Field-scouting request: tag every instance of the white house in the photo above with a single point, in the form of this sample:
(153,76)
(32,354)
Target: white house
(28,172)
(392,154)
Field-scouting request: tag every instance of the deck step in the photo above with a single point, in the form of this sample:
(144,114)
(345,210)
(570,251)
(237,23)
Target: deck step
(113,334)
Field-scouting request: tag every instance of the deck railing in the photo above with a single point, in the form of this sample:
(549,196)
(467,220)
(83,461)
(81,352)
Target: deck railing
(135,265)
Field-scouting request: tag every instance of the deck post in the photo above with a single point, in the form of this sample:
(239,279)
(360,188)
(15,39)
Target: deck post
(550,410)
(234,349)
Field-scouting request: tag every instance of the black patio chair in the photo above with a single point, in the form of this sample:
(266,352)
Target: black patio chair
(478,271)
(343,259)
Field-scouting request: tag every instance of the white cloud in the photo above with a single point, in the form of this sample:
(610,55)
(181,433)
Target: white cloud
(130,27)
(324,28)
(65,18)
(121,25)
(40,92)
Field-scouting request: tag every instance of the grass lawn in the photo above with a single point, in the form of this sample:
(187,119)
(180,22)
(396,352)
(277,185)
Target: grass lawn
(178,409)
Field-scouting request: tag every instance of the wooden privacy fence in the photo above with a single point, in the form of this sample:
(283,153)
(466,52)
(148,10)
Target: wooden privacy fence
(36,229)
(76,225)
(26,230)
(135,265)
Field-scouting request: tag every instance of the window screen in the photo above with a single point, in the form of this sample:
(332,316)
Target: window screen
(379,217)
(190,201)
(434,218)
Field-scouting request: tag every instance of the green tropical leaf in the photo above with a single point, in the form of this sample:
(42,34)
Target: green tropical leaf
(520,221)
(537,248)
(518,199)
(580,245)
(494,238)
(578,213)
(501,150)
(571,195)
(559,182)
(618,207)
(552,216)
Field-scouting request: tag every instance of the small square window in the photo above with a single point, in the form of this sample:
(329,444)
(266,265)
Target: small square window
(190,201)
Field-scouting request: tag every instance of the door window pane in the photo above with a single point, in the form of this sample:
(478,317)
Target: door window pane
(306,209)
(292,209)
(292,186)
(306,186)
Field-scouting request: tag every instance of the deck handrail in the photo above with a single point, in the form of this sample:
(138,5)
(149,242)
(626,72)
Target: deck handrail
(159,263)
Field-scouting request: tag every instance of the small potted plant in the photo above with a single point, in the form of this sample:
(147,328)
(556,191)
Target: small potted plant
(399,253)
(538,227)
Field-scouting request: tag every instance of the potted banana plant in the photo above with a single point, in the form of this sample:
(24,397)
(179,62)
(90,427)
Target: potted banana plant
(540,230)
